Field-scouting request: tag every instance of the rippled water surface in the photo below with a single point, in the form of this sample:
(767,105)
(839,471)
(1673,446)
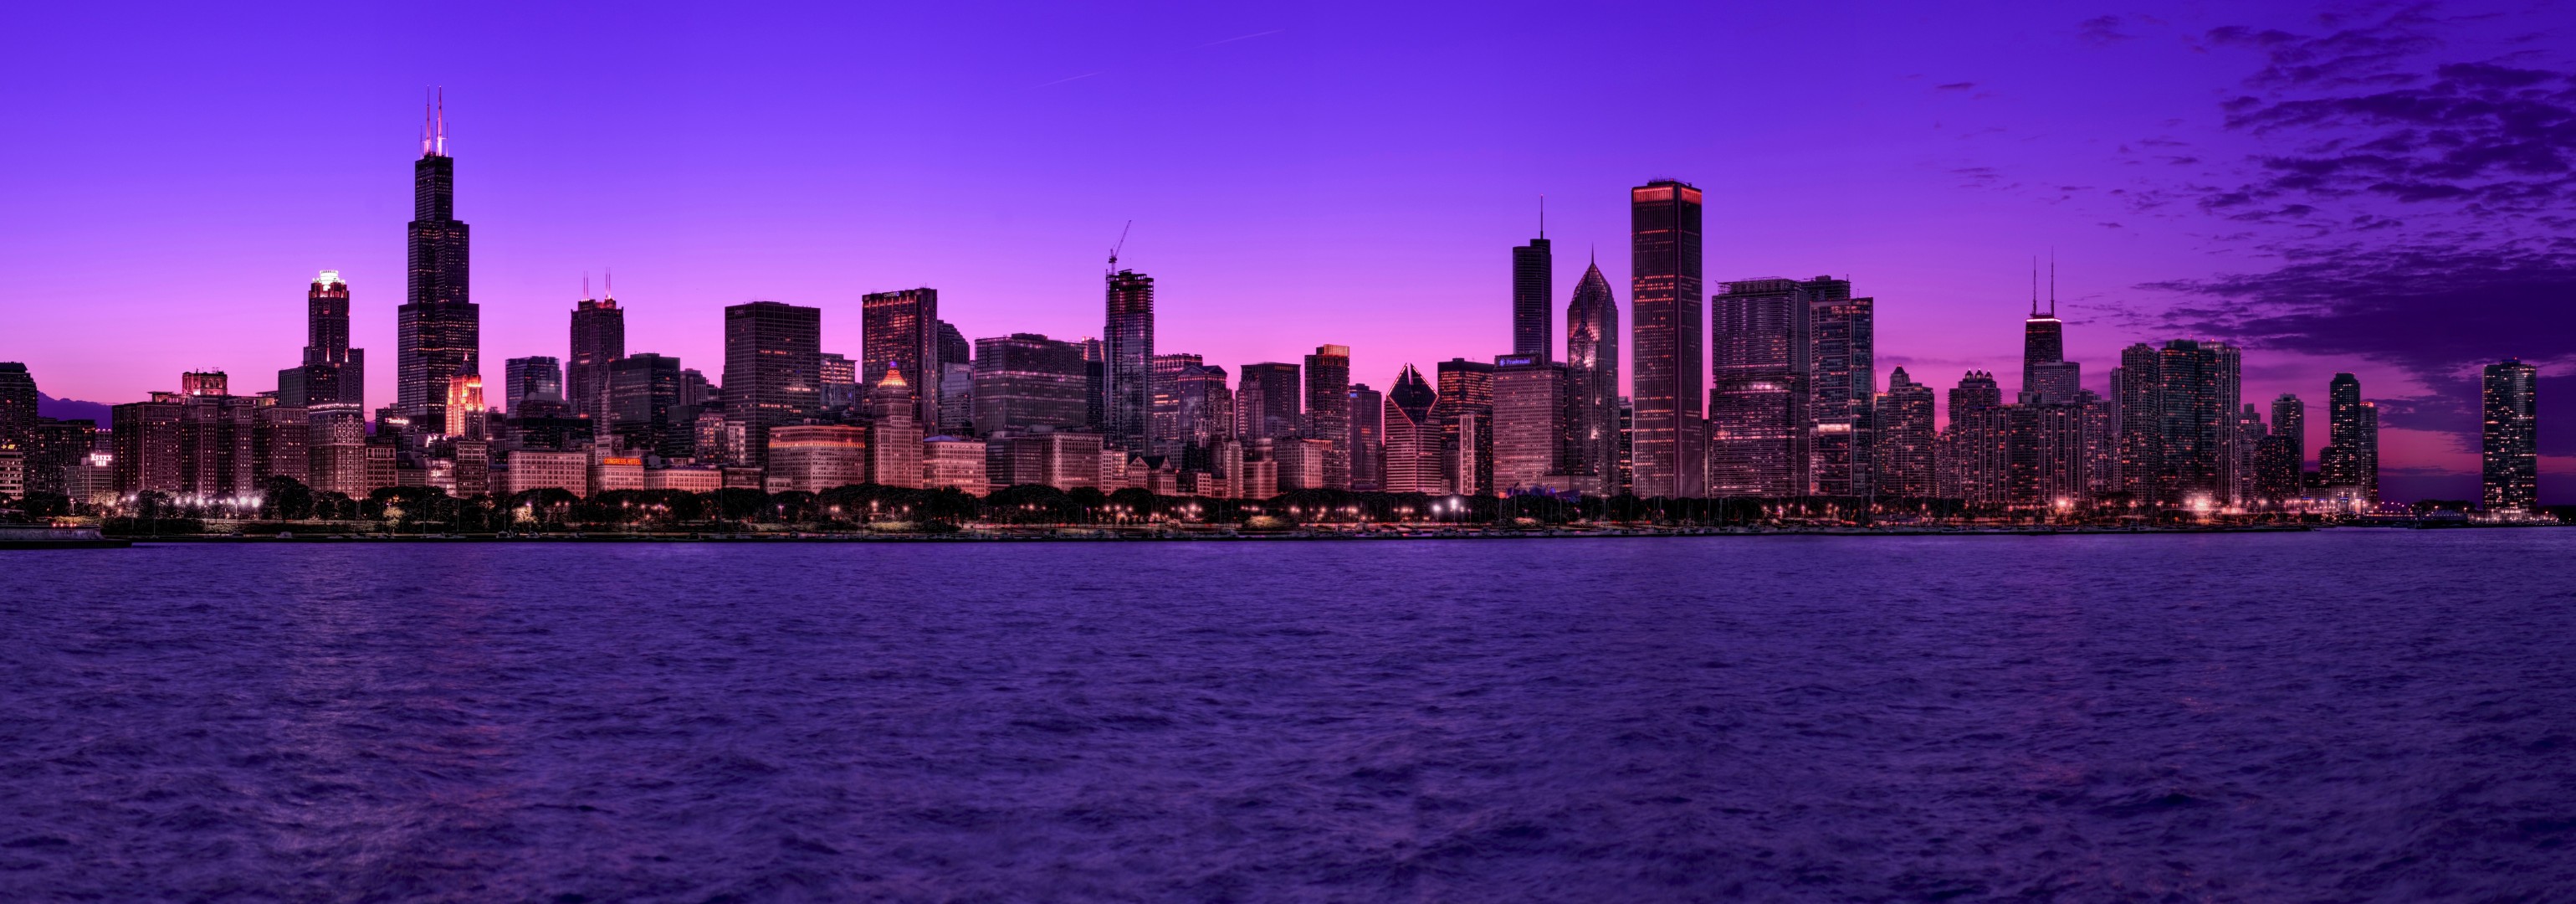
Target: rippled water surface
(2338,716)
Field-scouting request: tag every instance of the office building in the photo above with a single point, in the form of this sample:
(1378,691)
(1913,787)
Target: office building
(440,328)
(1465,413)
(1757,401)
(954,463)
(1412,437)
(815,457)
(17,405)
(2348,465)
(841,390)
(773,368)
(1842,374)
(1533,425)
(1665,336)
(644,406)
(331,373)
(1974,453)
(1901,420)
(1328,413)
(534,378)
(902,332)
(1533,294)
(1206,415)
(1026,382)
(1163,432)
(1269,402)
(1592,361)
(1368,439)
(598,340)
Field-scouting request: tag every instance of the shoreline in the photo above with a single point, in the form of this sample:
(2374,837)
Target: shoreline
(1086,535)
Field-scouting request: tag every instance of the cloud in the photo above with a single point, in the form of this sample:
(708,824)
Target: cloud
(2101,31)
(1955,86)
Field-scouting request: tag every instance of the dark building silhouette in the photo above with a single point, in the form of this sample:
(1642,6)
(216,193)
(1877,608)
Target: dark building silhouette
(440,329)
(1465,415)
(598,340)
(773,369)
(536,378)
(1903,425)
(2348,465)
(1269,402)
(2509,441)
(1533,292)
(644,404)
(1368,439)
(1592,362)
(17,405)
(1665,336)
(331,373)
(1757,403)
(1164,434)
(1842,373)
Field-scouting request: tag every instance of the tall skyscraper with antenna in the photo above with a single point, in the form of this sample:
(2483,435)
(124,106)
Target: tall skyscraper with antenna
(598,340)
(2046,375)
(440,329)
(1533,276)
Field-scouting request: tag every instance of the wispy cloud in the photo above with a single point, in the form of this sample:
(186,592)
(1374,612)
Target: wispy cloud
(1065,79)
(1248,37)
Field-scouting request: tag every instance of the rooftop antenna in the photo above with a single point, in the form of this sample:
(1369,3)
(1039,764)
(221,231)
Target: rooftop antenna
(441,120)
(1122,243)
(428,120)
(585,284)
(609,291)
(2034,285)
(2052,282)
(1542,216)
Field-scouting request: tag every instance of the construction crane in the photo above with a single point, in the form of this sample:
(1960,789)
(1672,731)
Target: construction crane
(1122,243)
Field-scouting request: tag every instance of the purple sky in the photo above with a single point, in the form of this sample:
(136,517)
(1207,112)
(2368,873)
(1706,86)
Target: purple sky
(2384,192)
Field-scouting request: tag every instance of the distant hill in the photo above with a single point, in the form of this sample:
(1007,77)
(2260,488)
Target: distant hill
(70,409)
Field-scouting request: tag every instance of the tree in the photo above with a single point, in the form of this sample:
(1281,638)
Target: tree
(285,498)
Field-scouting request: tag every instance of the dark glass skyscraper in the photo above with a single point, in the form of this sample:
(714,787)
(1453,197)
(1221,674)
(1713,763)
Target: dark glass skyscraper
(17,405)
(1757,403)
(440,327)
(773,368)
(643,395)
(1328,410)
(1465,415)
(1842,373)
(2046,375)
(902,334)
(1592,362)
(1127,347)
(2509,443)
(1028,383)
(2349,463)
(1533,282)
(1268,402)
(1368,439)
(1664,310)
(598,340)
(533,378)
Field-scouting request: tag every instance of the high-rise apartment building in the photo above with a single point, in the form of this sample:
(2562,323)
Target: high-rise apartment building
(1665,336)
(773,368)
(1903,425)
(1842,373)
(1533,293)
(1974,453)
(2509,440)
(1592,361)
(440,328)
(902,333)
(17,405)
(1757,403)
(2196,421)
(332,373)
(1328,413)
(1206,414)
(2136,384)
(1028,383)
(1127,348)
(598,340)
(2348,465)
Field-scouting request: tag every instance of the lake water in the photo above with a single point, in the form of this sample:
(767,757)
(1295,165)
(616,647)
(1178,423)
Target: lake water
(2334,716)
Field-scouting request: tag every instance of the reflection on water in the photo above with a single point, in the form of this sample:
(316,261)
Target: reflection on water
(2371,715)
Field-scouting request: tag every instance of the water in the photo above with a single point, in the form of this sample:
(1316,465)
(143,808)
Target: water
(2339,716)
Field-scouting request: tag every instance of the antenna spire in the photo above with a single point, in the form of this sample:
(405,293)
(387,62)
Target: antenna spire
(2052,282)
(2034,285)
(1542,216)
(610,290)
(440,121)
(585,284)
(428,120)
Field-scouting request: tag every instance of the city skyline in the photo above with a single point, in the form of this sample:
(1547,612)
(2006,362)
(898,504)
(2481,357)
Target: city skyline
(1935,334)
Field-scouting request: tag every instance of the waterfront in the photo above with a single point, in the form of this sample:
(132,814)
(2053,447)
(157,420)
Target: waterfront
(2345,715)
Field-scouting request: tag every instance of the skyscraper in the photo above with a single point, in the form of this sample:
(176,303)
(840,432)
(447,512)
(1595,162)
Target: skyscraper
(2046,375)
(1975,451)
(17,405)
(643,397)
(1368,439)
(1127,347)
(953,348)
(1163,431)
(1533,427)
(773,368)
(1268,402)
(1592,359)
(902,334)
(1842,372)
(2348,466)
(2196,421)
(1328,413)
(1664,310)
(2509,441)
(1902,423)
(2138,387)
(1412,439)
(598,340)
(1028,383)
(536,377)
(1465,414)
(1533,290)
(1757,405)
(440,327)
(332,373)
(1206,414)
